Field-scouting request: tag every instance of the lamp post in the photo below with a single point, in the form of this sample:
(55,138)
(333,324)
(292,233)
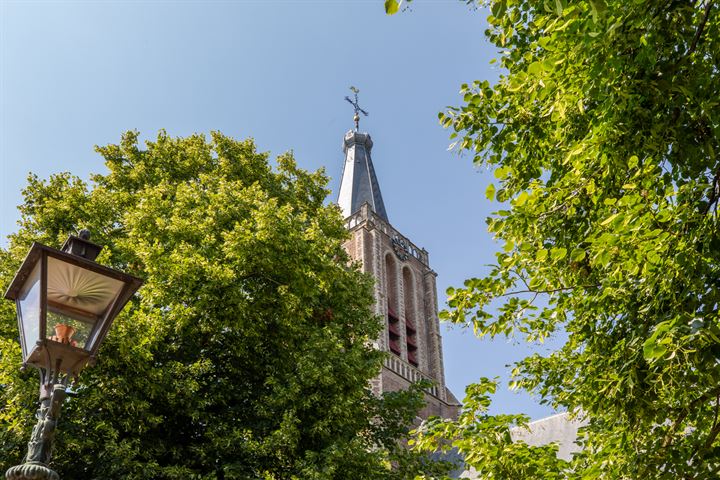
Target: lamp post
(66,303)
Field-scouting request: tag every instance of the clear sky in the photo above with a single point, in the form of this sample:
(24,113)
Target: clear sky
(76,74)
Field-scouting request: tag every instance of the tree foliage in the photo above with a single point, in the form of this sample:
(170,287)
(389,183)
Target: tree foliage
(246,354)
(487,442)
(603,134)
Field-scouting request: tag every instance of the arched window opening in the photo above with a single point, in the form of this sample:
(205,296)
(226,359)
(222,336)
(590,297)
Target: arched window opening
(410,327)
(393,319)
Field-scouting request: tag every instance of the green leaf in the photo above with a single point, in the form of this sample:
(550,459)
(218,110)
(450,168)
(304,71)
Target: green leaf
(653,351)
(490,192)
(598,8)
(521,199)
(498,8)
(391,7)
(664,216)
(557,254)
(535,68)
(502,172)
(577,255)
(608,220)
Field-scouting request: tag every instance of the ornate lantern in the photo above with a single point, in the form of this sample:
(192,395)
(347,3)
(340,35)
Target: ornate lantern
(65,305)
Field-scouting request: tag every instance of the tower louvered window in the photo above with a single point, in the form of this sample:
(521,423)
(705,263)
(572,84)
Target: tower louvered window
(394,330)
(410,328)
(411,339)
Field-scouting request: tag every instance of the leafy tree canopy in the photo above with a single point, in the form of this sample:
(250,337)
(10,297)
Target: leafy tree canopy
(246,354)
(603,134)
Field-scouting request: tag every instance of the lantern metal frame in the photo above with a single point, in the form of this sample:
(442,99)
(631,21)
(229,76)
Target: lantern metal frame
(45,352)
(58,362)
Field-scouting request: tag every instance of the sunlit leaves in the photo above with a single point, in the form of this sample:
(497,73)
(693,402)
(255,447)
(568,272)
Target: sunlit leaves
(246,354)
(486,441)
(392,6)
(601,133)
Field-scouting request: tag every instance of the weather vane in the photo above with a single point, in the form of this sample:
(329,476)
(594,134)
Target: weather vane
(356,105)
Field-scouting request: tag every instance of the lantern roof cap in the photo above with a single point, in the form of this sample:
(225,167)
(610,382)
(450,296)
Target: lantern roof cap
(82,246)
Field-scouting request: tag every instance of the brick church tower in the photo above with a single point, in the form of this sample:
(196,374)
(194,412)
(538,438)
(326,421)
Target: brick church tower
(405,290)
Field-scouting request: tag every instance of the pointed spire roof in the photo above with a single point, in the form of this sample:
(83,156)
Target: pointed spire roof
(359,184)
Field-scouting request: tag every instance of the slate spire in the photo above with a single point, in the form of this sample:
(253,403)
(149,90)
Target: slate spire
(359,184)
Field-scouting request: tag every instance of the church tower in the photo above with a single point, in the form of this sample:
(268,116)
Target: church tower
(405,289)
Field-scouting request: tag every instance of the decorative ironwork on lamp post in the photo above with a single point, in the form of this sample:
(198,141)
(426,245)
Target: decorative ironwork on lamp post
(66,303)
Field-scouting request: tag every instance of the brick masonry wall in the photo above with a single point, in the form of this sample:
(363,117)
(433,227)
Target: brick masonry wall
(371,243)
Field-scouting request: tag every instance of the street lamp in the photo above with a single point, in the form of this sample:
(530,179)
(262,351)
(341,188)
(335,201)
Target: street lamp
(65,305)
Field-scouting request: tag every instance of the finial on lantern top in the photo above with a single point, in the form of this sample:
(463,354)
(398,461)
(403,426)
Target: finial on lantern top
(357,108)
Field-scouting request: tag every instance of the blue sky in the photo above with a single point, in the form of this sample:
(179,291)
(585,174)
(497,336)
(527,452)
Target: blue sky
(76,74)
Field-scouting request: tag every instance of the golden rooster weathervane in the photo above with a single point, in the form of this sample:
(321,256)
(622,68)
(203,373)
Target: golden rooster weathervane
(357,108)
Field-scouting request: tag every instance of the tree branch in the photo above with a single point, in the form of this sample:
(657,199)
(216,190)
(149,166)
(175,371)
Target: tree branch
(686,410)
(715,430)
(714,192)
(553,290)
(701,27)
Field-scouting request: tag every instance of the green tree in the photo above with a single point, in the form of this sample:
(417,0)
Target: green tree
(603,134)
(246,354)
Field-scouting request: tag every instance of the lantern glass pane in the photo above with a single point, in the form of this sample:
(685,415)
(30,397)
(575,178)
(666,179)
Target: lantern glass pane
(29,303)
(71,329)
(77,299)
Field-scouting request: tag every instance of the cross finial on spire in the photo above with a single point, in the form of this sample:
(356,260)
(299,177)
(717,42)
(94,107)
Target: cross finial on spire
(357,108)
